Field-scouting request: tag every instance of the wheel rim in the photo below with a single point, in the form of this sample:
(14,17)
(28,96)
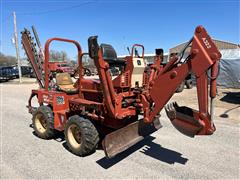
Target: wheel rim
(40,123)
(74,136)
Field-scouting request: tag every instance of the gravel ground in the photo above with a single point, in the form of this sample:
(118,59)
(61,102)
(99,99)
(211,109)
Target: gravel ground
(166,154)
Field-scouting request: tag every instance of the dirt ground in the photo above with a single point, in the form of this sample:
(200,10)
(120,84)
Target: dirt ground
(227,103)
(166,154)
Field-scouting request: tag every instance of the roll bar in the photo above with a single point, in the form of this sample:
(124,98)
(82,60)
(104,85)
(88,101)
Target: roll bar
(46,63)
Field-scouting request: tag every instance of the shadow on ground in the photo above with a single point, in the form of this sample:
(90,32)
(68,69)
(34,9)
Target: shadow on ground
(225,114)
(231,97)
(151,149)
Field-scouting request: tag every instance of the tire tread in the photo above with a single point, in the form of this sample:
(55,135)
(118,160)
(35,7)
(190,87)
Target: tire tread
(89,134)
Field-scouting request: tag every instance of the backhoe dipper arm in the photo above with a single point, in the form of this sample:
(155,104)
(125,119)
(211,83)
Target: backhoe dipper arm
(203,56)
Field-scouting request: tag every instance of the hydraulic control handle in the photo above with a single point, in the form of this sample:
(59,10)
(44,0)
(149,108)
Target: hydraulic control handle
(93,47)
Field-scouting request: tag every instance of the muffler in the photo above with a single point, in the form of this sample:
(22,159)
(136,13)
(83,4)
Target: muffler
(121,139)
(187,120)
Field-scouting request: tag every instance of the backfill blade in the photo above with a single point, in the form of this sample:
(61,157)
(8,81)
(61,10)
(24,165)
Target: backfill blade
(121,139)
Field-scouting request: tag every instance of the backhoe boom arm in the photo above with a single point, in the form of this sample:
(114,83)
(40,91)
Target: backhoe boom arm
(203,56)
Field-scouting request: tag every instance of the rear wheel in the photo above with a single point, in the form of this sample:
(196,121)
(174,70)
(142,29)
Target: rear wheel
(81,136)
(43,122)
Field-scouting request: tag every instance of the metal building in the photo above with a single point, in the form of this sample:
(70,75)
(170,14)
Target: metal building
(220,44)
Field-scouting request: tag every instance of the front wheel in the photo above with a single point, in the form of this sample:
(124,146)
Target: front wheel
(81,136)
(43,123)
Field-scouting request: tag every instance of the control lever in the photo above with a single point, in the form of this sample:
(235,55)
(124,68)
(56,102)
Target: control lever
(93,47)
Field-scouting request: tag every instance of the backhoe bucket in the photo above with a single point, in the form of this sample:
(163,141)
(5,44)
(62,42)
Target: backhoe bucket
(187,121)
(121,139)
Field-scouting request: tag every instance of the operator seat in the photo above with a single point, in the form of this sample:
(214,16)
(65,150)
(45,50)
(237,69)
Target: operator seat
(110,55)
(64,83)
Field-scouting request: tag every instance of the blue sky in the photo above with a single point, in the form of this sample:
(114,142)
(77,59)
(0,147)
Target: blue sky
(155,24)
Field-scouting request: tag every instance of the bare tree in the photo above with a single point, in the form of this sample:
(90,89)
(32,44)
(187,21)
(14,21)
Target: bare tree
(64,55)
(7,60)
(58,55)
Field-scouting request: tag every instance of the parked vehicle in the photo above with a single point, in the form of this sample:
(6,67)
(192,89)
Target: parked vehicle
(15,72)
(27,71)
(4,74)
(61,67)
(8,72)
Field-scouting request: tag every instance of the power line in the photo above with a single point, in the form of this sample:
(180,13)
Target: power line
(55,10)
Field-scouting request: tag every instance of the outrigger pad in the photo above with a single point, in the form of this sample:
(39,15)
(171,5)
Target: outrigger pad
(121,139)
(184,119)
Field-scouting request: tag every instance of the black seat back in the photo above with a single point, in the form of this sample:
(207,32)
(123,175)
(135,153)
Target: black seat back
(110,55)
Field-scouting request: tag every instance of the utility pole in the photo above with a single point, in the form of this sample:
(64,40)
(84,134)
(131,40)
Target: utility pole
(16,45)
